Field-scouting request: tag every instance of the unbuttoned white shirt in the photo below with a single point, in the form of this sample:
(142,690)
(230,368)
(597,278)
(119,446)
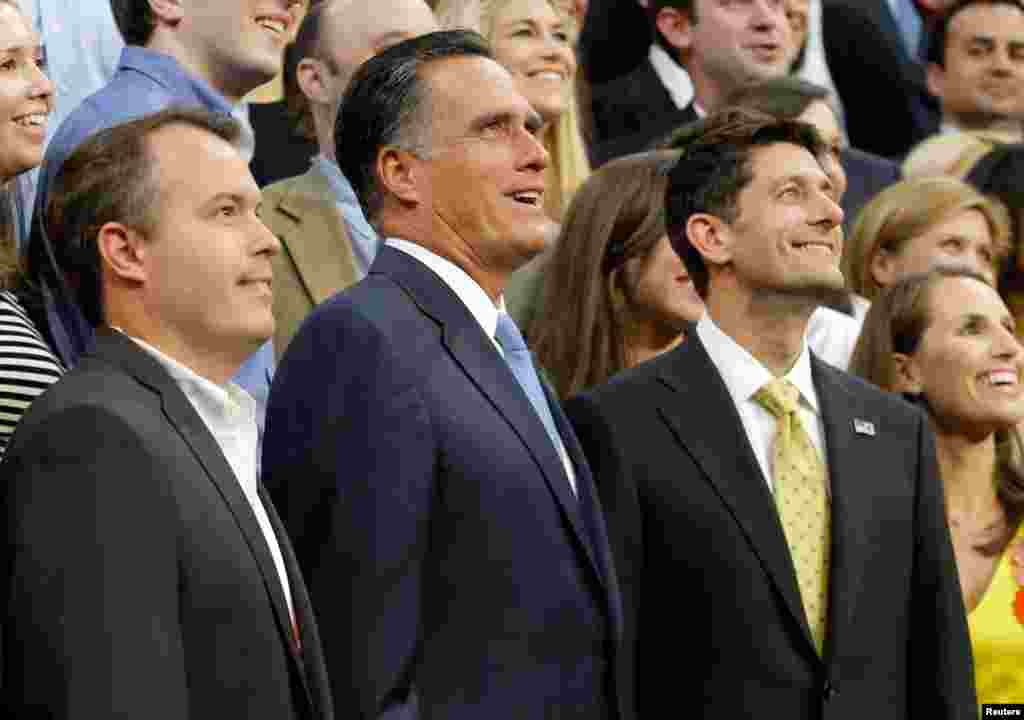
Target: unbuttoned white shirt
(672,75)
(744,375)
(229,413)
(480,306)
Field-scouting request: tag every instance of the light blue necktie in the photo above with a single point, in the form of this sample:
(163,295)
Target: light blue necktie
(519,360)
(909,20)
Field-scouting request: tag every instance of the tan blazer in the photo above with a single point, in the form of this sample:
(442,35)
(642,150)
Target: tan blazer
(316,258)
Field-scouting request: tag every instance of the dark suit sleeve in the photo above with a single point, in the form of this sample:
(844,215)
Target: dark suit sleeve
(92,627)
(941,673)
(621,504)
(349,459)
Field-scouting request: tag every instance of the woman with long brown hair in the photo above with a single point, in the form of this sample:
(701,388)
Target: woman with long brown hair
(622,294)
(947,340)
(27,365)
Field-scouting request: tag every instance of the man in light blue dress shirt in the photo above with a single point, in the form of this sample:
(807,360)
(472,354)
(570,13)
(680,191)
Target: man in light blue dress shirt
(196,54)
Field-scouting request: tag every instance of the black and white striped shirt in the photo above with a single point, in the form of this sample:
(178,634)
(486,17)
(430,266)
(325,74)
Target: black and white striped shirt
(27,366)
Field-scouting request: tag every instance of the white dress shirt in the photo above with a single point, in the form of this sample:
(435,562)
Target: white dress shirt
(479,304)
(672,75)
(230,415)
(744,375)
(832,335)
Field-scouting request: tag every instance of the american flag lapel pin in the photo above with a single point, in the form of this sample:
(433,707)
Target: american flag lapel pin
(863,427)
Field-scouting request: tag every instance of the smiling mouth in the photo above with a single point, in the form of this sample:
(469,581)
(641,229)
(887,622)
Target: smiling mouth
(1001,378)
(32,120)
(274,25)
(529,197)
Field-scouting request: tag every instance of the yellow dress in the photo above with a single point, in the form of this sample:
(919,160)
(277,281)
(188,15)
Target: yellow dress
(997,640)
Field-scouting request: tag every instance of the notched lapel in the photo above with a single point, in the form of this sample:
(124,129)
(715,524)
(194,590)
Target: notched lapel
(706,423)
(849,453)
(318,240)
(473,351)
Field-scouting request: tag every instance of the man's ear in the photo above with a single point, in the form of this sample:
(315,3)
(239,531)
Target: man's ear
(676,27)
(309,75)
(906,374)
(711,237)
(122,252)
(399,171)
(935,76)
(168,11)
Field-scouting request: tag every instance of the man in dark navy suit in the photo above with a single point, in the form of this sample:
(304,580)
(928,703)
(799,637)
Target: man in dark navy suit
(438,498)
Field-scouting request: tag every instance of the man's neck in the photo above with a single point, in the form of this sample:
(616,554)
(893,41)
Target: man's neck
(1012,128)
(772,331)
(166,44)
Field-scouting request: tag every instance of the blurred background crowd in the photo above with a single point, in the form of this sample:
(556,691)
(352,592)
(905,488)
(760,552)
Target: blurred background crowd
(919,104)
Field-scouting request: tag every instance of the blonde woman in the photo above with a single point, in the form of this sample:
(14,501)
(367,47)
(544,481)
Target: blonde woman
(535,40)
(916,224)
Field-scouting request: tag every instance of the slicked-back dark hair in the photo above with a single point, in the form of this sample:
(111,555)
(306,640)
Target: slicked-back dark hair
(937,42)
(386,104)
(715,168)
(135,20)
(111,177)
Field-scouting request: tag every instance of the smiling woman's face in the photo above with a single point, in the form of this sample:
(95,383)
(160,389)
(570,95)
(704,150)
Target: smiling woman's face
(534,42)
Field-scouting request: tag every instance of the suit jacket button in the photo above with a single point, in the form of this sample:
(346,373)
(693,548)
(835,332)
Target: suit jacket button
(829,691)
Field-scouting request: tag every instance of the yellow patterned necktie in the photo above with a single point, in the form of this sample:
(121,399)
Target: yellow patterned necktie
(798,479)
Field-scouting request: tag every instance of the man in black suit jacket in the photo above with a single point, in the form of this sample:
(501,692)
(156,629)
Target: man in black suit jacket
(443,512)
(682,453)
(147,574)
(882,84)
(720,48)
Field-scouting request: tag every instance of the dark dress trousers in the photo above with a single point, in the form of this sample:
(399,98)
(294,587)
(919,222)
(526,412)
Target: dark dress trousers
(714,618)
(449,561)
(138,583)
(886,102)
(633,112)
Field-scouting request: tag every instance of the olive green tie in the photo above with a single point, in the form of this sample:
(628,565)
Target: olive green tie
(798,479)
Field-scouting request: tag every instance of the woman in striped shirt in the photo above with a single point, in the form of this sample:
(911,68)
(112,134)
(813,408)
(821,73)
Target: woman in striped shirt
(27,365)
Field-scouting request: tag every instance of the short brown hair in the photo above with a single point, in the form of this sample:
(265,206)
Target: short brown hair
(111,178)
(715,168)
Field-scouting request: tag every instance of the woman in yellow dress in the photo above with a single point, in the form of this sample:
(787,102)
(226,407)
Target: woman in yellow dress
(946,339)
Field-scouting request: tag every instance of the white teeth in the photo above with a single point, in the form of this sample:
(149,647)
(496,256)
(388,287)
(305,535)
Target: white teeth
(550,76)
(32,120)
(1002,377)
(532,197)
(276,26)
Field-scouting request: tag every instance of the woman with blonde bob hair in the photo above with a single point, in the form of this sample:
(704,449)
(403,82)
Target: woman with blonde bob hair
(915,224)
(947,341)
(621,292)
(535,40)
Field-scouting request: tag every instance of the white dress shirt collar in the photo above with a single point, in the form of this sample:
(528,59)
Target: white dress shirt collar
(478,302)
(672,75)
(743,374)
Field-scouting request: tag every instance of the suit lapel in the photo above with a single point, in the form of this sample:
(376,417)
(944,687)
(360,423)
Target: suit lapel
(851,505)
(474,352)
(314,675)
(123,352)
(319,242)
(718,443)
(590,509)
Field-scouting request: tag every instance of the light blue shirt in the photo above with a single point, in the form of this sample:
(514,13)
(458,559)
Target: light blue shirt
(145,82)
(365,241)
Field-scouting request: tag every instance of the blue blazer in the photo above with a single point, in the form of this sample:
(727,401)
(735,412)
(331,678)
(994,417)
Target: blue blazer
(449,561)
